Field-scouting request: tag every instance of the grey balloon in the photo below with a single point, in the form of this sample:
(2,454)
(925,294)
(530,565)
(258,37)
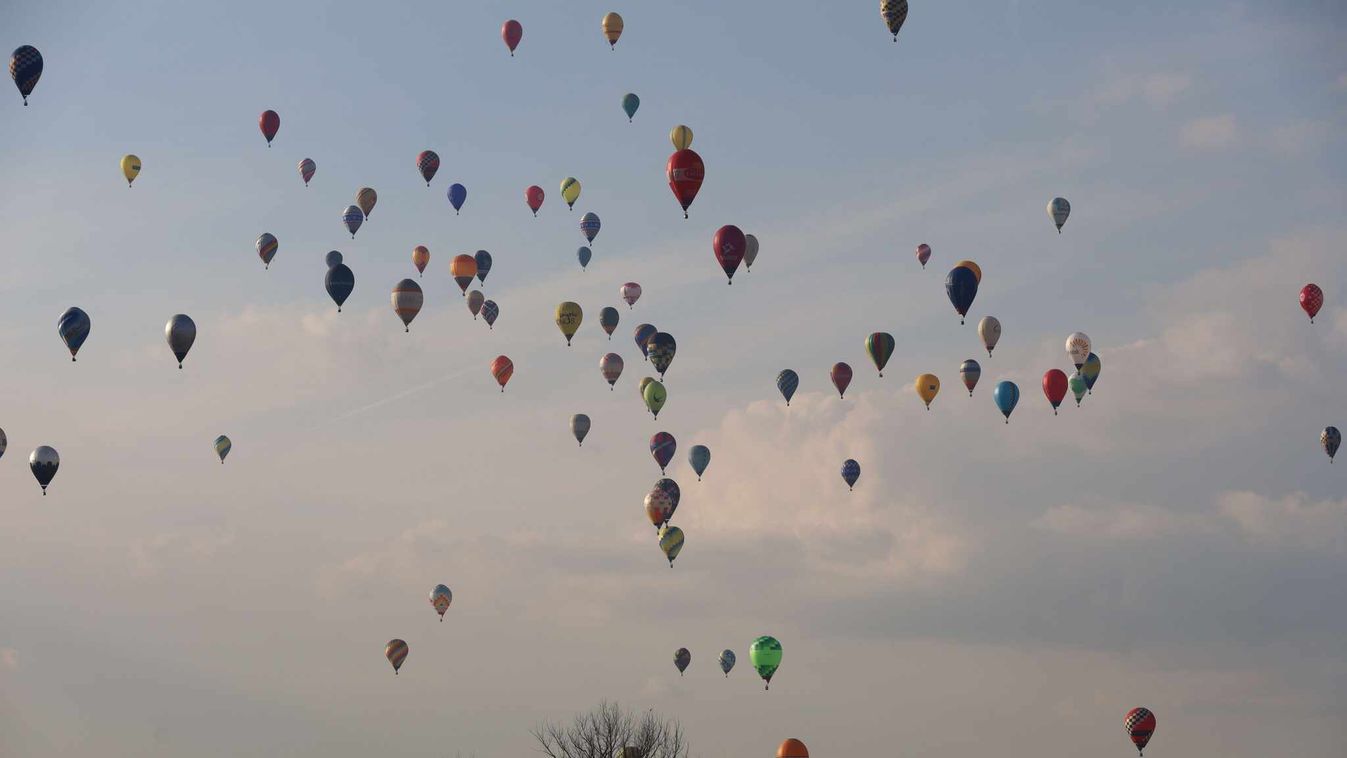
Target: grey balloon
(180,333)
(580,427)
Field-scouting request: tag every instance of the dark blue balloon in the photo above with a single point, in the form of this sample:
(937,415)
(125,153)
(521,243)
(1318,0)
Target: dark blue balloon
(643,334)
(584,254)
(962,286)
(851,471)
(457,195)
(787,381)
(332,258)
(74,329)
(483,259)
(25,65)
(339,281)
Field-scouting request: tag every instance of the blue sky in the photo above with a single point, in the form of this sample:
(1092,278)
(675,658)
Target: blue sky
(1179,541)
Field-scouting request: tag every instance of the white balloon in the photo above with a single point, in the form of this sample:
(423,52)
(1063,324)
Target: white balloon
(1078,347)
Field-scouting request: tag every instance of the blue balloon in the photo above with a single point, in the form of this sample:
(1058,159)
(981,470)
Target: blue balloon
(787,381)
(1006,395)
(352,217)
(483,259)
(700,457)
(74,329)
(851,471)
(333,258)
(340,281)
(457,195)
(643,334)
(584,254)
(962,286)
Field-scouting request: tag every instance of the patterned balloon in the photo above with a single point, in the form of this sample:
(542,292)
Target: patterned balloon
(686,172)
(880,347)
(658,507)
(841,376)
(662,448)
(1140,725)
(610,366)
(851,471)
(73,326)
(570,191)
(655,396)
(671,542)
(44,462)
(1311,300)
(765,655)
(267,245)
(502,368)
(787,382)
(569,317)
(1078,347)
(407,301)
(699,457)
(427,162)
(590,225)
(1090,371)
(353,217)
(483,259)
(1078,386)
(25,68)
(396,652)
(580,427)
(1331,439)
(222,447)
(670,487)
(180,331)
(727,661)
(307,168)
(440,599)
(894,13)
(970,371)
(490,311)
(681,659)
(661,349)
(642,336)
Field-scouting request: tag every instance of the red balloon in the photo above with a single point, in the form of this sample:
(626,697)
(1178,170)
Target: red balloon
(512,31)
(1140,725)
(534,197)
(841,375)
(1311,300)
(792,748)
(686,172)
(270,123)
(1054,387)
(502,368)
(729,245)
(923,254)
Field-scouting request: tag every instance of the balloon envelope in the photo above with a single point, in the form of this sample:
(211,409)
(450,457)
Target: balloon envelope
(267,245)
(222,447)
(661,349)
(396,652)
(989,329)
(463,268)
(583,254)
(1140,726)
(180,333)
(685,172)
(727,661)
(851,471)
(339,282)
(608,318)
(1006,395)
(630,102)
(130,168)
(962,286)
(490,311)
(427,162)
(765,655)
(475,301)
(728,245)
(440,599)
(332,258)
(699,457)
(44,462)
(533,197)
(366,198)
(841,376)
(570,190)
(307,168)
(894,13)
(25,68)
(682,658)
(612,28)
(502,368)
(1058,210)
(568,318)
(928,386)
(655,396)
(580,427)
(671,542)
(73,326)
(787,382)
(662,448)
(1331,439)
(1311,300)
(642,336)
(353,217)
(407,301)
(923,254)
(458,194)
(630,292)
(879,345)
(511,32)
(483,259)
(1078,386)
(970,371)
(420,258)
(270,123)
(590,225)
(1078,347)
(610,366)
(1054,387)
(1090,371)
(681,137)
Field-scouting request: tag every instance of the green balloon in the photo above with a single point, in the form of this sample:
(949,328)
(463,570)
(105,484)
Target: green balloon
(1078,386)
(655,395)
(765,655)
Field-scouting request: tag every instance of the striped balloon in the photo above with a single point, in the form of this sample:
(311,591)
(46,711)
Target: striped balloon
(671,542)
(440,599)
(662,448)
(420,258)
(463,268)
(642,336)
(73,327)
(222,447)
(490,311)
(307,168)
(1140,726)
(970,371)
(590,225)
(880,347)
(396,652)
(267,245)
(366,198)
(353,217)
(25,68)
(427,162)
(787,381)
(502,368)
(407,301)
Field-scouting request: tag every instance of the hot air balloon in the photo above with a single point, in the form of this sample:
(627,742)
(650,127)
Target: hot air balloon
(610,366)
(580,427)
(660,350)
(970,372)
(765,655)
(612,28)
(483,259)
(4,442)
(1054,387)
(25,68)
(475,301)
(43,463)
(583,254)
(686,173)
(792,748)
(851,471)
(727,661)
(642,336)
(407,301)
(1006,395)
(962,286)
(971,266)
(630,102)
(1331,439)
(750,251)
(428,162)
(396,652)
(569,316)
(332,258)
(923,254)
(352,217)
(339,281)
(658,507)
(458,194)
(670,487)
(180,333)
(533,197)
(1058,210)
(682,658)
(894,13)
(73,326)
(490,311)
(630,292)
(1311,300)
(671,542)
(570,191)
(440,599)
(989,329)
(589,226)
(1078,386)
(608,318)
(1140,725)
(880,347)
(841,376)
(267,245)
(1078,347)
(662,448)
(307,168)
(502,368)
(728,245)
(641,385)
(681,137)
(928,386)
(420,258)
(699,457)
(270,123)
(787,381)
(1090,371)
(130,168)
(463,268)
(366,198)
(512,31)
(222,447)
(655,396)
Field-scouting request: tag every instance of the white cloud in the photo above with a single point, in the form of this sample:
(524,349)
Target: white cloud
(1293,521)
(1210,133)
(1121,521)
(149,555)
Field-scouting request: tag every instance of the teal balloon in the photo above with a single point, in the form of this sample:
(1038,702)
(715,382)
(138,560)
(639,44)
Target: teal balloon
(1006,395)
(700,457)
(583,255)
(630,102)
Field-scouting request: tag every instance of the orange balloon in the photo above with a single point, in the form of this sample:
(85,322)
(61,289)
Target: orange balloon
(463,268)
(502,368)
(792,748)
(971,266)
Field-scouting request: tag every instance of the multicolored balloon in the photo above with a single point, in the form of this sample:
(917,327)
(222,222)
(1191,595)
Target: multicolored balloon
(44,462)
(841,376)
(1140,726)
(463,268)
(961,285)
(180,331)
(728,244)
(670,487)
(727,661)
(658,507)
(1058,210)
(1078,347)
(989,329)
(681,137)
(928,386)
(353,217)
(1090,371)
(366,198)
(490,311)
(307,168)
(583,254)
(396,652)
(570,191)
(612,28)
(1331,439)
(483,259)
(661,350)
(590,225)
(923,254)
(630,102)
(970,372)
(642,336)
(420,258)
(428,162)
(502,368)
(787,382)
(222,447)
(880,347)
(682,657)
(851,471)
(685,172)
(25,68)
(458,195)
(533,197)
(671,542)
(568,318)
(662,449)
(630,292)
(270,123)
(1054,387)
(1006,395)
(339,282)
(580,427)
(267,245)
(608,318)
(894,13)
(440,599)
(971,266)
(1311,300)
(407,301)
(73,326)
(511,32)
(765,655)
(610,365)
(130,168)
(699,457)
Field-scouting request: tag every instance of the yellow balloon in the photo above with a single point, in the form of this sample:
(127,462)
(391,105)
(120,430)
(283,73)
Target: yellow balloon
(640,388)
(612,28)
(569,316)
(570,190)
(130,168)
(977,270)
(928,386)
(681,137)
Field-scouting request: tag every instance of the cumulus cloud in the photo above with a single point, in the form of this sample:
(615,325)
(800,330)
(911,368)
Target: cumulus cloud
(1210,133)
(1294,521)
(1124,521)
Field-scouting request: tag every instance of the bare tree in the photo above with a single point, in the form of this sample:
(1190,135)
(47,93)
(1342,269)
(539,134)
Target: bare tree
(608,731)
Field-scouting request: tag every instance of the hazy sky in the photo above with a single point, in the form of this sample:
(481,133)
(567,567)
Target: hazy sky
(1178,542)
